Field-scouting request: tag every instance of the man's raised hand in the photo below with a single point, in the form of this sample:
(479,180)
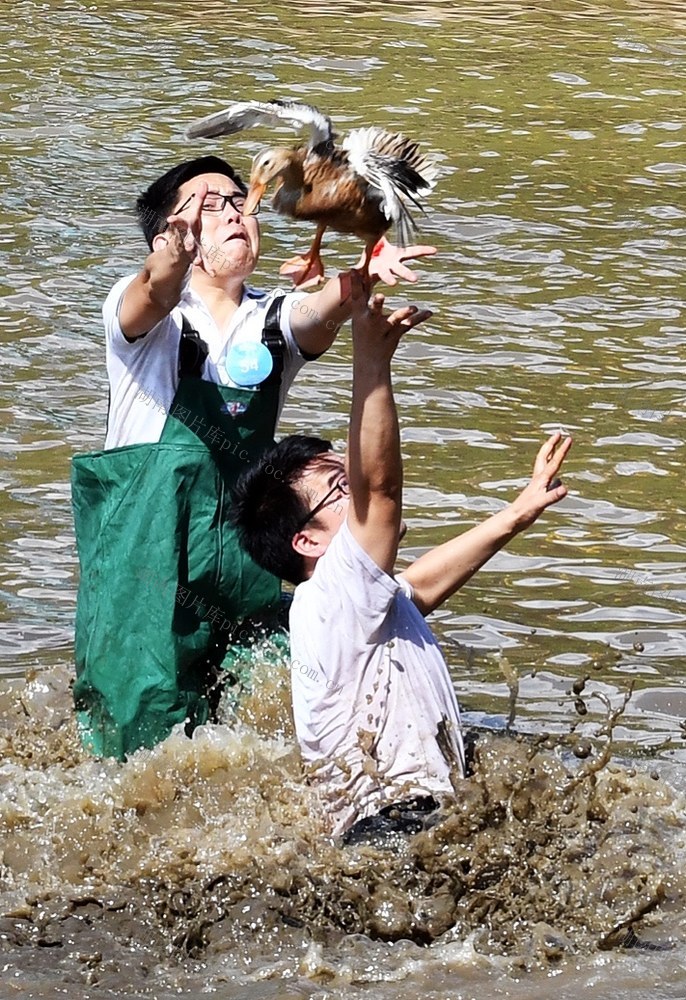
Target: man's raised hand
(387,261)
(376,333)
(545,488)
(185,232)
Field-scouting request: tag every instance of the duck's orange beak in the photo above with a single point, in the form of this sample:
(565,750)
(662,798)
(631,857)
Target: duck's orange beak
(255,194)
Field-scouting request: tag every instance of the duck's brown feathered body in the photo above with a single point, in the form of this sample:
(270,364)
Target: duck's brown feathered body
(361,187)
(326,191)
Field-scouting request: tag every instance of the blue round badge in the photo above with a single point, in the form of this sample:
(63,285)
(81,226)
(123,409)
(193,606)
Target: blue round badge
(249,364)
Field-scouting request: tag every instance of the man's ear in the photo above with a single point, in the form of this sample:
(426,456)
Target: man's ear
(160,241)
(306,545)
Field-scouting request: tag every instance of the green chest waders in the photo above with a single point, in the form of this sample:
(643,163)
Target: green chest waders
(164,582)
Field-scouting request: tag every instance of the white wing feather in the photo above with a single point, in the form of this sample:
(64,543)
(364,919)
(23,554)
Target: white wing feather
(246,114)
(397,168)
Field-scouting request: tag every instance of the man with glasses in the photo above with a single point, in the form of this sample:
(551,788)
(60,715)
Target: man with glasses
(375,710)
(199,365)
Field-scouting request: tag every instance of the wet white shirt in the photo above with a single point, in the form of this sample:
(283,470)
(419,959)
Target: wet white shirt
(371,689)
(143,374)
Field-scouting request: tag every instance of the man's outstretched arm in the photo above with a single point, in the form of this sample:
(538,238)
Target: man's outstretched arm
(437,574)
(374,463)
(157,287)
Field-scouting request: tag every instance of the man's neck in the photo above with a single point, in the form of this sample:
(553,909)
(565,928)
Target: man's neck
(222,299)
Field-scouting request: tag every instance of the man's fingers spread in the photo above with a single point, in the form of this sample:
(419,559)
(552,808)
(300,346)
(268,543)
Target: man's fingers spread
(376,302)
(547,449)
(419,250)
(550,456)
(400,315)
(402,272)
(556,493)
(418,318)
(558,457)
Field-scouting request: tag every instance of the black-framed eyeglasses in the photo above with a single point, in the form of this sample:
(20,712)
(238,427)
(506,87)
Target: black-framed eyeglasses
(341,486)
(214,203)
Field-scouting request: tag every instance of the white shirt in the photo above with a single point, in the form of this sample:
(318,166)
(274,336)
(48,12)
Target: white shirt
(143,374)
(371,689)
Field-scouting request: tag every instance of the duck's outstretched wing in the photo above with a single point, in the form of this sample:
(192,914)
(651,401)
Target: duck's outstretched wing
(399,170)
(245,114)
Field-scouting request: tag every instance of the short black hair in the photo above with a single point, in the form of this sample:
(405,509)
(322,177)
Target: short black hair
(157,201)
(267,509)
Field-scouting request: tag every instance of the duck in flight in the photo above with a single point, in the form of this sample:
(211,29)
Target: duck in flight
(363,186)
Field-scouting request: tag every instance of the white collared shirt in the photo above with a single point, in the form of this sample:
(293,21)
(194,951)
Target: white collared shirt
(143,374)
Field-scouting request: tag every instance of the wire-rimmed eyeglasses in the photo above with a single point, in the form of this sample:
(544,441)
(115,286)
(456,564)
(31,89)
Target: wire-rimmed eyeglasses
(214,203)
(341,486)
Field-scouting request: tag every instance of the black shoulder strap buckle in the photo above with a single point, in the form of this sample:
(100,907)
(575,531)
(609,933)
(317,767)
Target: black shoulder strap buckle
(192,351)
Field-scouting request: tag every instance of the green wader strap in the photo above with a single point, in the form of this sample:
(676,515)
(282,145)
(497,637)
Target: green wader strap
(230,660)
(164,584)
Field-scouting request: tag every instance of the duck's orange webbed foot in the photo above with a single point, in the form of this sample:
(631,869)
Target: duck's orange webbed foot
(304,272)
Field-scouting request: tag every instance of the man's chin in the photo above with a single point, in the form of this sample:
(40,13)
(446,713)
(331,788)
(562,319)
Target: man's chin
(239,261)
